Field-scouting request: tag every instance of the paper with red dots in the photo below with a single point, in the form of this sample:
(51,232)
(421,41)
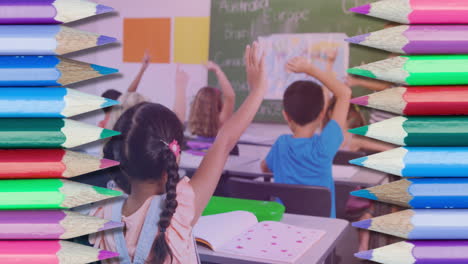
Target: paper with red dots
(273,241)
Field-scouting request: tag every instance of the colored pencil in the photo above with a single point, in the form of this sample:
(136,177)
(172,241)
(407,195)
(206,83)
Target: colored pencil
(49,194)
(48,11)
(420,252)
(48,163)
(421,224)
(48,133)
(47,40)
(47,71)
(419,161)
(420,39)
(419,130)
(50,224)
(50,252)
(417,11)
(48,102)
(418,70)
(427,100)
(421,193)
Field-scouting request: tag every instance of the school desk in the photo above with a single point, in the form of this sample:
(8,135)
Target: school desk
(318,253)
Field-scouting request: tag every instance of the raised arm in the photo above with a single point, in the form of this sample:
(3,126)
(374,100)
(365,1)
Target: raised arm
(341,92)
(207,176)
(229,97)
(182,79)
(144,65)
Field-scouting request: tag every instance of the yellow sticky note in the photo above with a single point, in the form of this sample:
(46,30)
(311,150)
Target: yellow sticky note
(191,39)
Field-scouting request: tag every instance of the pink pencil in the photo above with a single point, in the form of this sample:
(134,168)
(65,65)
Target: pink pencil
(418,11)
(50,224)
(49,252)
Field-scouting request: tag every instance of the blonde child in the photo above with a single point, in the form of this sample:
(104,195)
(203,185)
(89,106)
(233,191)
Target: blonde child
(161,208)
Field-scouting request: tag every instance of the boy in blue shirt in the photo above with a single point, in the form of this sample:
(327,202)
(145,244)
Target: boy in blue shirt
(304,157)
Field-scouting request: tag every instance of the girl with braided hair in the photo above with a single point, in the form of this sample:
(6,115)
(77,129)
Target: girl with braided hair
(161,208)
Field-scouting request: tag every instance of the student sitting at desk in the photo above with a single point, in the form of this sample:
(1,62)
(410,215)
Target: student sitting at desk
(303,157)
(209,110)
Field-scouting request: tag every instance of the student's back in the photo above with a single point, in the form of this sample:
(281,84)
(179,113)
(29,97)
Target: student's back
(306,157)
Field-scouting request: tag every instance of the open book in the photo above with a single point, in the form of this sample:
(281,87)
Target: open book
(239,233)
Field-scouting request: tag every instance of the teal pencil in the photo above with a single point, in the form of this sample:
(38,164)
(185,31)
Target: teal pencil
(48,133)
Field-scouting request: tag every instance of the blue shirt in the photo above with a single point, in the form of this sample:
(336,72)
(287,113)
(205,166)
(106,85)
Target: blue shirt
(307,161)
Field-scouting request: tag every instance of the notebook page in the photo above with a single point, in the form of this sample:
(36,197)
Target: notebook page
(273,241)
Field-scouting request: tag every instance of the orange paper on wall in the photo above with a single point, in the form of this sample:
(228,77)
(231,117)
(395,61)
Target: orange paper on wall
(191,39)
(141,34)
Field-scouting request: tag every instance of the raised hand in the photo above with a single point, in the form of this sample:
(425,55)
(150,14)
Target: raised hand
(255,68)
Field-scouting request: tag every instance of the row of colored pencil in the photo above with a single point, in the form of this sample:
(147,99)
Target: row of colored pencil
(34,162)
(433,132)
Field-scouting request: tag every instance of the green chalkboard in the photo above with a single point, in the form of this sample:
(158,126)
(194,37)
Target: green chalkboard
(236,23)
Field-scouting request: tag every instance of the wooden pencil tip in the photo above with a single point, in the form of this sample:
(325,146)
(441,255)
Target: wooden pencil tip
(111,225)
(363,100)
(364,9)
(359,161)
(104,254)
(104,70)
(103,40)
(364,255)
(361,72)
(106,163)
(102,9)
(357,39)
(364,224)
(362,131)
(364,194)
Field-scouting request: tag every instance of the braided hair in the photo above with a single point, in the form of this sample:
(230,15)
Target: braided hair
(144,155)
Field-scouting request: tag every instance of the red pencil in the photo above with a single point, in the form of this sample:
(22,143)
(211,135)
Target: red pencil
(48,163)
(428,100)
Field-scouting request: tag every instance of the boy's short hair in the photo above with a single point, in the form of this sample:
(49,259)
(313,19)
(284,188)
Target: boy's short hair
(303,101)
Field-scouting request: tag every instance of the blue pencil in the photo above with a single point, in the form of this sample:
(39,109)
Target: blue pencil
(421,224)
(48,102)
(419,161)
(421,193)
(47,71)
(46,40)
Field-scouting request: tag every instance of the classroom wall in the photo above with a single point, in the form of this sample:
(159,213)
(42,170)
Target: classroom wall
(158,77)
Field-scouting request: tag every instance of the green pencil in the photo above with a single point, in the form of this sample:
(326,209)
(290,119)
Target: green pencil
(418,70)
(419,131)
(48,133)
(49,194)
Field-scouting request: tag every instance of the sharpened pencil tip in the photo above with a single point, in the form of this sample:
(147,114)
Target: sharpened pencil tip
(111,225)
(106,133)
(363,100)
(107,192)
(106,163)
(104,254)
(109,102)
(101,9)
(364,194)
(364,255)
(104,70)
(103,40)
(362,131)
(359,161)
(357,39)
(364,9)
(361,72)
(364,224)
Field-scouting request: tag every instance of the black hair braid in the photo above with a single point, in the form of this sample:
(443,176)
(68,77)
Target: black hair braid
(161,249)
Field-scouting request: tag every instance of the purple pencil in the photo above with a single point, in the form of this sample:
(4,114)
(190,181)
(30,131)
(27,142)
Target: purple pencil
(420,252)
(419,39)
(50,224)
(48,11)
